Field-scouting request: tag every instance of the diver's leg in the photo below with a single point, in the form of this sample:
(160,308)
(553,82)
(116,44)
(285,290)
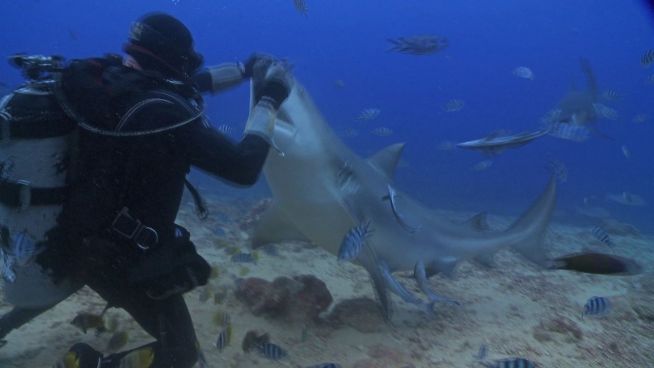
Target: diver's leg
(168,320)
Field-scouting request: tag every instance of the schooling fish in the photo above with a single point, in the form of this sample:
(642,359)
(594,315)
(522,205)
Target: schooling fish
(354,241)
(7,266)
(453,105)
(648,58)
(23,248)
(391,196)
(523,72)
(271,351)
(601,235)
(511,363)
(596,306)
(245,257)
(301,6)
(224,337)
(370,113)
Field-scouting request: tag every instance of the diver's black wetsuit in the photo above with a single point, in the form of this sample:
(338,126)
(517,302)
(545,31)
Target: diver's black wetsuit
(143,176)
(211,151)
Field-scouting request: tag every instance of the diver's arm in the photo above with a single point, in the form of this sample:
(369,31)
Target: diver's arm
(218,78)
(239,163)
(215,79)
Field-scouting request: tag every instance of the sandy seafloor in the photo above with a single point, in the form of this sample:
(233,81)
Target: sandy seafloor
(513,308)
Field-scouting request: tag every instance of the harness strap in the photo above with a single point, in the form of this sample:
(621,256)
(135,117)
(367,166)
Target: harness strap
(20,194)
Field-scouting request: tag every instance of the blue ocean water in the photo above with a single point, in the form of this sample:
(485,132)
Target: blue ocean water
(339,40)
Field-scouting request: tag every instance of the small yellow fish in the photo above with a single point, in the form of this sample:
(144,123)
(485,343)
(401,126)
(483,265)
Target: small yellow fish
(243,271)
(140,358)
(233,250)
(221,318)
(112,324)
(215,272)
(219,296)
(117,341)
(220,243)
(85,321)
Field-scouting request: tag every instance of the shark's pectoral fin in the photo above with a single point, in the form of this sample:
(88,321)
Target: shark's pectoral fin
(381,291)
(274,227)
(368,261)
(479,222)
(387,159)
(420,275)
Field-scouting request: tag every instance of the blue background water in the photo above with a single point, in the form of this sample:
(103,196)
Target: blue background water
(346,40)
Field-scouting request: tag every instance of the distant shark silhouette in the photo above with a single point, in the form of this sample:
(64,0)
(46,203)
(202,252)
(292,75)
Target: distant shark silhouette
(321,190)
(579,107)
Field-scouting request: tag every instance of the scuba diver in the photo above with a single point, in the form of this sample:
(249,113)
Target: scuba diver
(140,128)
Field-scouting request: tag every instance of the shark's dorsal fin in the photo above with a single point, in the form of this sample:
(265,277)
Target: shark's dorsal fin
(386,160)
(274,227)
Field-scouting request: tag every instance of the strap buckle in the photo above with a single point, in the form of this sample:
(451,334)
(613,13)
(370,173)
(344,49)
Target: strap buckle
(133,229)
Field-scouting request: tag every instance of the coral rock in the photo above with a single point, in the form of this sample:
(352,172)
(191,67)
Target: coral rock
(362,314)
(301,298)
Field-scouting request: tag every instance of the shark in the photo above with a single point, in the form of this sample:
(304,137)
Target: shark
(495,144)
(321,190)
(578,106)
(580,109)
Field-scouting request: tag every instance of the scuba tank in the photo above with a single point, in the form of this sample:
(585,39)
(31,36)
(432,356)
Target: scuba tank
(35,147)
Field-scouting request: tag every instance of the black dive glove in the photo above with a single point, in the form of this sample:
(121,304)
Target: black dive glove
(263,60)
(274,91)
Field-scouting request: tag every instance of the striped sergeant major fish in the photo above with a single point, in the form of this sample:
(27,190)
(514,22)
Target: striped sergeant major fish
(596,306)
(271,351)
(600,234)
(353,241)
(224,337)
(511,363)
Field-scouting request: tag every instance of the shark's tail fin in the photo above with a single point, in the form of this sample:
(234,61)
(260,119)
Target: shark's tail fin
(591,81)
(529,229)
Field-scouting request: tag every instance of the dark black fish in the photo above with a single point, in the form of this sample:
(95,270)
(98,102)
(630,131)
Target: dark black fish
(596,263)
(253,339)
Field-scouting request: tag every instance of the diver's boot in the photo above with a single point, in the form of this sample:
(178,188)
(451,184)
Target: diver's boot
(81,355)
